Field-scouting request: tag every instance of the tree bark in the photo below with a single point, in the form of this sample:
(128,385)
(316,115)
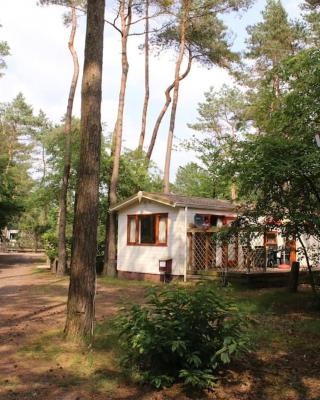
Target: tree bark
(110,243)
(164,109)
(62,251)
(81,297)
(166,179)
(146,80)
(311,276)
(294,277)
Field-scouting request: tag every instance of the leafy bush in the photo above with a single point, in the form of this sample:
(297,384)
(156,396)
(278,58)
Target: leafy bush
(181,334)
(50,242)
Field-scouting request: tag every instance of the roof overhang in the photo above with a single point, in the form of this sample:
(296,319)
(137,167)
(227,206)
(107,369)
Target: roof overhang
(138,197)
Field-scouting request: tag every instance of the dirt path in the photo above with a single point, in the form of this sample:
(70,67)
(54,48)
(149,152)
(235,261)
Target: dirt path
(32,303)
(27,308)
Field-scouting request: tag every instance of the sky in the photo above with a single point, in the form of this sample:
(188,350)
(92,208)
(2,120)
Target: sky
(40,66)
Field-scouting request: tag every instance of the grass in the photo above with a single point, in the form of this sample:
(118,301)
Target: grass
(40,270)
(284,330)
(70,364)
(124,283)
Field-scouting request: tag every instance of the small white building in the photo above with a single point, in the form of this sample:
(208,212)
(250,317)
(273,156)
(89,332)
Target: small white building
(10,234)
(166,233)
(153,230)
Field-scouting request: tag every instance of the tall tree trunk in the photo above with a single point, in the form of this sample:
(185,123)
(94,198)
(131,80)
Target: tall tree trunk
(146,79)
(81,297)
(164,109)
(166,179)
(110,243)
(62,251)
(44,175)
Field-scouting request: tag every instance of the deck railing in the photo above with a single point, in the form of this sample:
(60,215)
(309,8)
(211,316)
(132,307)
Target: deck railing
(207,252)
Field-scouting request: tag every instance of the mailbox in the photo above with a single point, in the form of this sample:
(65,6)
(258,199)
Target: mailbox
(165,269)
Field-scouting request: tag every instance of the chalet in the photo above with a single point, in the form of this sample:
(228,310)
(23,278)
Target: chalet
(170,236)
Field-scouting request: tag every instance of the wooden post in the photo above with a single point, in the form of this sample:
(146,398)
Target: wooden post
(294,277)
(207,247)
(225,254)
(190,263)
(236,249)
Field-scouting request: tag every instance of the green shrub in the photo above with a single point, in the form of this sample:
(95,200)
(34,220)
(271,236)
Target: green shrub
(50,242)
(181,334)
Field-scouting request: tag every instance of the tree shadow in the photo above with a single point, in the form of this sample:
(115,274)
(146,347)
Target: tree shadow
(8,260)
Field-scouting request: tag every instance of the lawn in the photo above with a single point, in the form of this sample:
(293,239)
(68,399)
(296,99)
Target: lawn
(284,358)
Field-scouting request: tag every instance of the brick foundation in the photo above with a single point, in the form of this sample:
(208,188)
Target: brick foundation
(142,276)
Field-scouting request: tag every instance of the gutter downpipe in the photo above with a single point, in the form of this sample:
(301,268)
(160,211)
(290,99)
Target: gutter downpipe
(185,244)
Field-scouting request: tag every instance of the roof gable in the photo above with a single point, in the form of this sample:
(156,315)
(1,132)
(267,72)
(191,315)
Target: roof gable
(174,200)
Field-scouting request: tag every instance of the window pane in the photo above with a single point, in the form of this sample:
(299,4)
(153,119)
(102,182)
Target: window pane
(147,229)
(162,229)
(132,230)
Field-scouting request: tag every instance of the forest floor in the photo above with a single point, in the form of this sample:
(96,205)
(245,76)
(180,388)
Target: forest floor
(36,362)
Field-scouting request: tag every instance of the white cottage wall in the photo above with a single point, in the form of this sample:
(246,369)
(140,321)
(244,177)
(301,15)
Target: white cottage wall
(145,259)
(313,247)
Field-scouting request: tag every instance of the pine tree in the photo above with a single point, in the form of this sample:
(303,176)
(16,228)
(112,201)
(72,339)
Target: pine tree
(81,297)
(312,17)
(272,40)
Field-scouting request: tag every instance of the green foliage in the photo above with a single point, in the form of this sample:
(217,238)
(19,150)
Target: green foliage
(18,130)
(50,242)
(221,122)
(312,17)
(192,180)
(207,40)
(181,334)
(273,39)
(269,43)
(279,169)
(48,188)
(136,173)
(206,34)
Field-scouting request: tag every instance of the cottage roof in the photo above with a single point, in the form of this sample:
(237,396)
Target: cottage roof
(175,200)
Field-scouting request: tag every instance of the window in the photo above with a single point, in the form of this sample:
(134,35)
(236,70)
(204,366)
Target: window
(205,220)
(270,238)
(147,230)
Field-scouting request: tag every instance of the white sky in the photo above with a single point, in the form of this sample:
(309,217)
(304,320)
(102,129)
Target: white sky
(40,67)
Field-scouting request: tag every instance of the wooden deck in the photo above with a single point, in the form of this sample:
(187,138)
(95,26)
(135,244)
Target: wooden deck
(272,277)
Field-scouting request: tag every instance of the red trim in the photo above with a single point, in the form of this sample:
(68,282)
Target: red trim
(137,218)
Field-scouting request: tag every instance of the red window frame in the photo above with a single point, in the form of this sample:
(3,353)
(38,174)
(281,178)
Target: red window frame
(137,218)
(269,240)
